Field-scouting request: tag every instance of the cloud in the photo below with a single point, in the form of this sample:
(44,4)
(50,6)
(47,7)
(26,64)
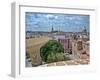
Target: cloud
(51,16)
(74,18)
(67,22)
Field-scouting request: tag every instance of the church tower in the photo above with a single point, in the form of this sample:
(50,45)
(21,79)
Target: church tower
(52,29)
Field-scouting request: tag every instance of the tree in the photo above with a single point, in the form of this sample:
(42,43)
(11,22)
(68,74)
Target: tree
(51,50)
(51,58)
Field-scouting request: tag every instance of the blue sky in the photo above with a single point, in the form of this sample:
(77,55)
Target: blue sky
(65,22)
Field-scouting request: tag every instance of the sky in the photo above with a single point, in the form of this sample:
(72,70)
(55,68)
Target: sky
(63,22)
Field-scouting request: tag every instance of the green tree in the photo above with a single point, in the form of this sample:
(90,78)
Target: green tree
(51,58)
(49,51)
(57,57)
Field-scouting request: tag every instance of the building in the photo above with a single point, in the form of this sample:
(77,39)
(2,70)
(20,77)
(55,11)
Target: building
(65,40)
(66,44)
(80,49)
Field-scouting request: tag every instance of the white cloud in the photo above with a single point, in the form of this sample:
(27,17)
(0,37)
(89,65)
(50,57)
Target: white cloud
(73,18)
(51,16)
(77,22)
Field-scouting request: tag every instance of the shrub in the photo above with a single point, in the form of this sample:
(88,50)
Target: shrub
(60,56)
(67,57)
(51,58)
(57,57)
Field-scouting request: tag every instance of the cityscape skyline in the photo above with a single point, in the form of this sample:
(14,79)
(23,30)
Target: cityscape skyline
(64,22)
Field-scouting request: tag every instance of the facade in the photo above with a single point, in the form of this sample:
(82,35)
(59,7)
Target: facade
(66,44)
(80,49)
(65,40)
